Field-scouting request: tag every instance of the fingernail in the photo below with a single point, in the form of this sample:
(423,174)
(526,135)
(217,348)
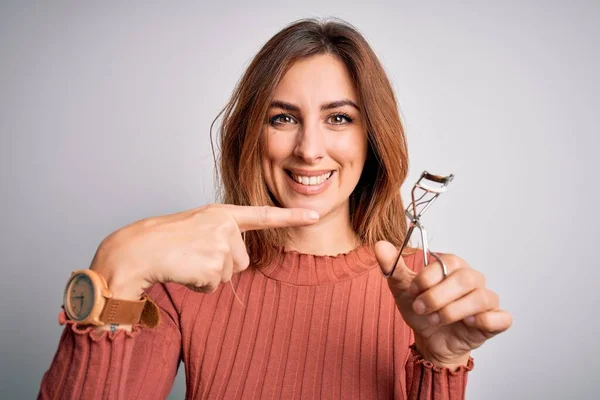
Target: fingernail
(311,215)
(470,319)
(419,307)
(434,319)
(412,289)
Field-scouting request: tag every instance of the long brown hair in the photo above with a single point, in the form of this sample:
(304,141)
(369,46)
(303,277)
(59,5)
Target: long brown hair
(376,207)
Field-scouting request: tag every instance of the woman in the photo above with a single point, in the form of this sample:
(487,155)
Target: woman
(279,292)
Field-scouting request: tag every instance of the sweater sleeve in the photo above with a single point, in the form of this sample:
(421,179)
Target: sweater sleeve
(426,381)
(141,364)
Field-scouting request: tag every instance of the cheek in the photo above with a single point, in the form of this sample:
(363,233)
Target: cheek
(275,151)
(278,147)
(350,151)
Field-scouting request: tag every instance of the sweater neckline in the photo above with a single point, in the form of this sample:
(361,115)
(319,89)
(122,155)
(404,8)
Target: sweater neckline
(304,269)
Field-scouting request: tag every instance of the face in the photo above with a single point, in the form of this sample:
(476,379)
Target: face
(316,142)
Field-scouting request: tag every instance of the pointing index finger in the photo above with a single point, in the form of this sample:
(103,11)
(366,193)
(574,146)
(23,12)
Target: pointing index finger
(263,217)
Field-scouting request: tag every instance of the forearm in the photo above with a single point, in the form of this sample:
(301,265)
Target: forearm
(93,362)
(85,359)
(426,380)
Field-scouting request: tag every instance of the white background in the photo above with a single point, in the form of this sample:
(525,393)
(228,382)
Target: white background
(104,119)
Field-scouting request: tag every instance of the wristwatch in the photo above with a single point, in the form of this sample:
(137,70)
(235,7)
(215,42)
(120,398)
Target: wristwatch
(88,301)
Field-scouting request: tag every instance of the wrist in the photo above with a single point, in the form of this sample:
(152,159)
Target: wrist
(124,289)
(452,364)
(120,281)
(114,327)
(452,367)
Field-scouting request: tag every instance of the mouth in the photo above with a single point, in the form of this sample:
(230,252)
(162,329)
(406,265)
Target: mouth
(308,182)
(309,178)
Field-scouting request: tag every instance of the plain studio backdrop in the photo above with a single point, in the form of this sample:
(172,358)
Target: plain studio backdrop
(105,113)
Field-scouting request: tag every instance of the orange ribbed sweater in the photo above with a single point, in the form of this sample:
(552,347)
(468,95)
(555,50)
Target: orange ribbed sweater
(312,327)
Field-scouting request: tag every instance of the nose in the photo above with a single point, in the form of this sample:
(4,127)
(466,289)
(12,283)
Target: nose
(310,145)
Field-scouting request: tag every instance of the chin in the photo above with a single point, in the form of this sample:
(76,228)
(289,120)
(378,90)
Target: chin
(323,206)
(319,205)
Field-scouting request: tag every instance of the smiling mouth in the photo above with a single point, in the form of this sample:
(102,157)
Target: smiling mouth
(309,180)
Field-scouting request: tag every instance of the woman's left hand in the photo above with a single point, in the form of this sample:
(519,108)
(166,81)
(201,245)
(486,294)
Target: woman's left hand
(451,301)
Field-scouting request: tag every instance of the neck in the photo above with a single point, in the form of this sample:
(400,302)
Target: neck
(331,236)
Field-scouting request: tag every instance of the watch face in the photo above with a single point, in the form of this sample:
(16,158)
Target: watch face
(79,297)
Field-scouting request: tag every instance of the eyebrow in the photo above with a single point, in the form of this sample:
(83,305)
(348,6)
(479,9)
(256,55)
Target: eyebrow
(328,106)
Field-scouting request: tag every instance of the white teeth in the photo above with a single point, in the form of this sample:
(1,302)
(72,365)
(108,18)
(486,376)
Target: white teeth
(312,180)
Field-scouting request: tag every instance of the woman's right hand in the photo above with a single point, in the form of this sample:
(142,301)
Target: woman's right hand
(199,248)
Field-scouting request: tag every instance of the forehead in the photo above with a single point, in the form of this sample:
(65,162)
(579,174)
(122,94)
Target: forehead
(316,80)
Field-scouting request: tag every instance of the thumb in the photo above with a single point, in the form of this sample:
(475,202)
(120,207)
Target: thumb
(386,254)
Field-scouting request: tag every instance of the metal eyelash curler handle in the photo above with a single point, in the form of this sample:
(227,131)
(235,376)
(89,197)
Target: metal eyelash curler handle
(416,214)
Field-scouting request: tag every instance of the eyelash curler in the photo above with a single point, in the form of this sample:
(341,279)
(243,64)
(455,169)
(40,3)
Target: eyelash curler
(414,213)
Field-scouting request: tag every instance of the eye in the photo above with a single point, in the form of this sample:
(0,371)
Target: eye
(338,119)
(282,119)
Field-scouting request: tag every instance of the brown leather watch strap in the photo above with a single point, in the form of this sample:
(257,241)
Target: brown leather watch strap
(151,314)
(122,311)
